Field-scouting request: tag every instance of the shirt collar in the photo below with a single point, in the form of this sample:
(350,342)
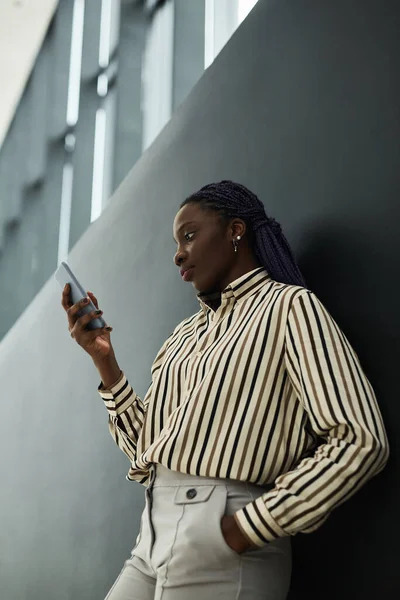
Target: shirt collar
(244,286)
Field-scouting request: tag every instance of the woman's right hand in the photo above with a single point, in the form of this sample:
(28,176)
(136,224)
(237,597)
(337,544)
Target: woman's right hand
(95,342)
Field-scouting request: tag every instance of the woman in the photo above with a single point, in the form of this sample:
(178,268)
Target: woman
(259,420)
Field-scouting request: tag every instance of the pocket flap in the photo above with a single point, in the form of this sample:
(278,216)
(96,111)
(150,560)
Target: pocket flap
(191,494)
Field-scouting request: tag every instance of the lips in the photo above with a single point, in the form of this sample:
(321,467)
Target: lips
(187,273)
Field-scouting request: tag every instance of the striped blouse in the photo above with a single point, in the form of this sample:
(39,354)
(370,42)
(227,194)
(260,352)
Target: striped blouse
(267,390)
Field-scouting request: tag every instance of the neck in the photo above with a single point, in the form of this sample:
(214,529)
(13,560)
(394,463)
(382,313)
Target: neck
(245,266)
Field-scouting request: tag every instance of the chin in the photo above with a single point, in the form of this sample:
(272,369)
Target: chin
(196,286)
(205,286)
(204,289)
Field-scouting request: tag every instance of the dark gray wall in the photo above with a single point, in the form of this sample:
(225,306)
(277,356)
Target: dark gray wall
(303,107)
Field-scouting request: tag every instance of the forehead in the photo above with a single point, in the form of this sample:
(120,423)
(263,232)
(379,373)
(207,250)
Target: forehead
(189,213)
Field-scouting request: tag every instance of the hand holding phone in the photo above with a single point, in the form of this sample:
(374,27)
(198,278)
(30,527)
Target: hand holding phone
(85,324)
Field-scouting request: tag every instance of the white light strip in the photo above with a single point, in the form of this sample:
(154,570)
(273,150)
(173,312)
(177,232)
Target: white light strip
(98,164)
(209,33)
(65,213)
(244,7)
(105,33)
(157,74)
(102,85)
(75,64)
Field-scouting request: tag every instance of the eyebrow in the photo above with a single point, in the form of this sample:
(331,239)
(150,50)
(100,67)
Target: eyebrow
(185,224)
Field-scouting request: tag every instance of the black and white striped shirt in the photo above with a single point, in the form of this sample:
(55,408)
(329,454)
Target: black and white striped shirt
(266,389)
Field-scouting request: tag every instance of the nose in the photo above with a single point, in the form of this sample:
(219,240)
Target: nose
(179,257)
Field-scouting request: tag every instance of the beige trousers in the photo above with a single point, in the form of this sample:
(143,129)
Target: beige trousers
(181,554)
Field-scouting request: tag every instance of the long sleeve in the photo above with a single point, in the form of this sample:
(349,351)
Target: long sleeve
(126,411)
(342,410)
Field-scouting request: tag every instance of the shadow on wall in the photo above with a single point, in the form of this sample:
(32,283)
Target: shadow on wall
(349,269)
(343,559)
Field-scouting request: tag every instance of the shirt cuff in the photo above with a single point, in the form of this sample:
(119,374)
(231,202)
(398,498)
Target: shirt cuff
(118,397)
(110,389)
(257,524)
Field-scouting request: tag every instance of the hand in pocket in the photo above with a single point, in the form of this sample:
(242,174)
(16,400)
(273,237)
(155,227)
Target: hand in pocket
(233,535)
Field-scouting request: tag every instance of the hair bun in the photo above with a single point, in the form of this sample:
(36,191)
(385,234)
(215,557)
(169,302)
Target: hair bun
(259,221)
(264,221)
(274,226)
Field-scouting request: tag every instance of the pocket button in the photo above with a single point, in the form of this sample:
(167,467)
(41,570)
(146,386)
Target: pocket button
(191,494)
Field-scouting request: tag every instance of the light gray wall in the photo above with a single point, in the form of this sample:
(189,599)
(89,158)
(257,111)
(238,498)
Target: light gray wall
(303,107)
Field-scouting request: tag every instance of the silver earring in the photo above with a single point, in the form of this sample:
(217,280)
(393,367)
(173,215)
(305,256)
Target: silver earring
(235,242)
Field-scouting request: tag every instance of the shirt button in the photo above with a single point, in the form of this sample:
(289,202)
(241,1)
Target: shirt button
(191,494)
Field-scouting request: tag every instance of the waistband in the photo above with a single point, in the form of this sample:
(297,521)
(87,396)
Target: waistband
(160,476)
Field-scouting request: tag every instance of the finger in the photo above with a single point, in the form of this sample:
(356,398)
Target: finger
(73,311)
(94,333)
(85,319)
(93,299)
(66,297)
(100,331)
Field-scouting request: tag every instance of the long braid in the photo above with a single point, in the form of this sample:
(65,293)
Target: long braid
(233,200)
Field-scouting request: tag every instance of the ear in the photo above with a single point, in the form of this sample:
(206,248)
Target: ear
(237,227)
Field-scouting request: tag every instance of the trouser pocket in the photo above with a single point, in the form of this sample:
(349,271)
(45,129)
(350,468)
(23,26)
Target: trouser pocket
(199,539)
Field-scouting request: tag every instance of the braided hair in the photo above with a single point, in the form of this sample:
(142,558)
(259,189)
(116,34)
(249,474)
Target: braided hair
(233,200)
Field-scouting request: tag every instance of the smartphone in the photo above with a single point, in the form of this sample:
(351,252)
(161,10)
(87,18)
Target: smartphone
(65,275)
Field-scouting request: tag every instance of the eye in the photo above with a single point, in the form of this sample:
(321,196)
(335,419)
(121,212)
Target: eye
(187,236)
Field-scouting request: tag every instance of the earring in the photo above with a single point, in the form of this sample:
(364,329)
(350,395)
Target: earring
(235,242)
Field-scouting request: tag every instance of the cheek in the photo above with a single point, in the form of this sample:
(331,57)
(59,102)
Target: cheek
(213,246)
(212,261)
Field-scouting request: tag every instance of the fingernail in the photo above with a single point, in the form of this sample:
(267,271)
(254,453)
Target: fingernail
(108,328)
(98,312)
